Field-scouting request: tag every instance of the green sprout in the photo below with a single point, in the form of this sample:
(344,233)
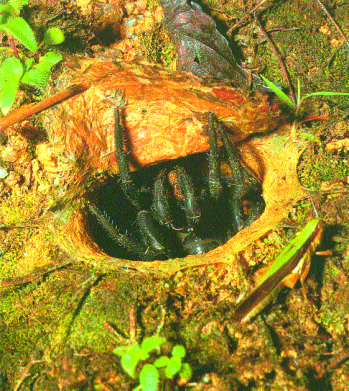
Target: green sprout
(299,100)
(32,70)
(144,362)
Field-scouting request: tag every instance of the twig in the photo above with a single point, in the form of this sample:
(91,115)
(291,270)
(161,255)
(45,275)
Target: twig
(107,325)
(282,66)
(335,24)
(278,29)
(133,332)
(28,110)
(237,24)
(36,276)
(25,374)
(336,361)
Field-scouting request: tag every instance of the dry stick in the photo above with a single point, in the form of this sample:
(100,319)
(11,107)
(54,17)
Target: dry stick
(237,24)
(25,373)
(277,29)
(334,23)
(28,110)
(282,66)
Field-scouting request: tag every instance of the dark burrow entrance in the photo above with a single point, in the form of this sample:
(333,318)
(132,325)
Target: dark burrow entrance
(215,223)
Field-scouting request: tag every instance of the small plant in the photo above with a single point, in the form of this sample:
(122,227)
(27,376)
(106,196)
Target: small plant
(19,68)
(144,362)
(299,100)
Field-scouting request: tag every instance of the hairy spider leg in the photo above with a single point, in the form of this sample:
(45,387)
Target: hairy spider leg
(193,243)
(238,179)
(149,232)
(214,174)
(190,204)
(127,184)
(161,206)
(123,240)
(256,211)
(240,184)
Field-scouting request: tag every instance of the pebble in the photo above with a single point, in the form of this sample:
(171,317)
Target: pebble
(9,155)
(12,179)
(130,22)
(3,173)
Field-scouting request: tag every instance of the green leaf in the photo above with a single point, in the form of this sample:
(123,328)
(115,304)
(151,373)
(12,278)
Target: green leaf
(186,372)
(49,60)
(325,93)
(37,78)
(151,343)
(279,92)
(7,12)
(173,367)
(21,30)
(310,137)
(28,63)
(120,350)
(131,358)
(13,7)
(161,362)
(11,71)
(53,36)
(39,75)
(179,351)
(149,378)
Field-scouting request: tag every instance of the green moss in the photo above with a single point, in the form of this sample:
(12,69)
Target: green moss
(157,46)
(321,166)
(307,51)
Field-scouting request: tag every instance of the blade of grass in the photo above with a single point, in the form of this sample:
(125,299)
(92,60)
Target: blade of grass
(279,93)
(325,93)
(299,100)
(281,63)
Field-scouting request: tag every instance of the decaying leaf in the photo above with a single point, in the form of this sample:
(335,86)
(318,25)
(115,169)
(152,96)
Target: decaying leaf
(201,48)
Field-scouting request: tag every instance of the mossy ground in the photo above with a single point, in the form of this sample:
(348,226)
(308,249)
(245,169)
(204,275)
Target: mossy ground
(53,310)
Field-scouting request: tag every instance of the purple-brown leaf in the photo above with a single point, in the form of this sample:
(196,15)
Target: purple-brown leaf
(201,49)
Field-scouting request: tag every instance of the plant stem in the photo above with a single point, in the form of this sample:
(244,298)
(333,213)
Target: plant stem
(28,110)
(13,47)
(282,66)
(239,22)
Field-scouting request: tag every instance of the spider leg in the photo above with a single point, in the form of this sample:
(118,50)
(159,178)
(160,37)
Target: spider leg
(256,211)
(123,240)
(121,156)
(238,180)
(240,185)
(160,206)
(196,240)
(190,204)
(214,176)
(237,211)
(149,232)
(193,245)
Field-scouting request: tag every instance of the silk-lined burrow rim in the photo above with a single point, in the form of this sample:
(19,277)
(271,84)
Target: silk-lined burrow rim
(166,116)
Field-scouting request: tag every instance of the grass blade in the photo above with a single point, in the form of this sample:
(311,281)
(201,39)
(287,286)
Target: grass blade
(325,93)
(279,93)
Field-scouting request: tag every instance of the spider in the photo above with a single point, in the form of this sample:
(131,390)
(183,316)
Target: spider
(177,208)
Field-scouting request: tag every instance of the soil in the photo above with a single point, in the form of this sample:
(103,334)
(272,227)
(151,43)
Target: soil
(62,317)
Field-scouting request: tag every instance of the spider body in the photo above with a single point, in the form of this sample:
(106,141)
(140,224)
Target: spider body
(185,209)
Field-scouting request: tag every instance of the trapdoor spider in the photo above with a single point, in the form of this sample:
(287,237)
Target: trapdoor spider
(177,208)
